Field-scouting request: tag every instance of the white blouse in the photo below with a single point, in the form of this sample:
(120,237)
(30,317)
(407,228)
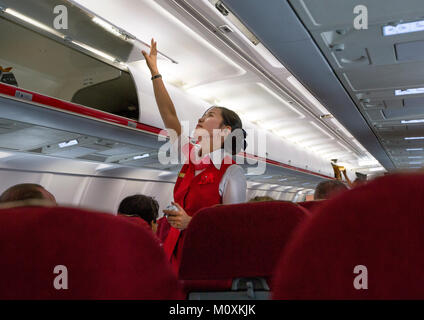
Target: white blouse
(233,185)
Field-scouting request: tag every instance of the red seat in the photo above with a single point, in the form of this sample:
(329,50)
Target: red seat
(311,205)
(106,257)
(379,226)
(225,243)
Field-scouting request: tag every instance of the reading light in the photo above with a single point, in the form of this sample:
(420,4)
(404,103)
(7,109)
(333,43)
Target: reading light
(68,144)
(143,156)
(376,169)
(412,121)
(33,22)
(95,51)
(409,91)
(403,28)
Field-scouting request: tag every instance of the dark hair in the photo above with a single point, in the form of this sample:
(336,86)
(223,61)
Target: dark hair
(139,205)
(261,199)
(25,191)
(327,189)
(236,141)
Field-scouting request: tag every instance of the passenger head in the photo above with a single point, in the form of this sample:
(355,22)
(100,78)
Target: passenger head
(261,199)
(327,189)
(140,206)
(26,191)
(225,127)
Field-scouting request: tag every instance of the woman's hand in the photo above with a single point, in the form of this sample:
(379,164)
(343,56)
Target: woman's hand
(152,58)
(179,219)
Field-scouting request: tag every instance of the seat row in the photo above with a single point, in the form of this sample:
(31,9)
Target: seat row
(366,243)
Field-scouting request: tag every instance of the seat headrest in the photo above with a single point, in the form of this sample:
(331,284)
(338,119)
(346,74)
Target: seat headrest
(242,240)
(106,256)
(378,226)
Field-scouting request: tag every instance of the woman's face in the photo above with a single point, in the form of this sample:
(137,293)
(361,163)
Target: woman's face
(210,124)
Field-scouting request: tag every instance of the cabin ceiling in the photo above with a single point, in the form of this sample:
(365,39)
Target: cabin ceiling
(317,39)
(372,66)
(224,67)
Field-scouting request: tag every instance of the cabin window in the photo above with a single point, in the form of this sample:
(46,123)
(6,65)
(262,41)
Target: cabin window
(51,67)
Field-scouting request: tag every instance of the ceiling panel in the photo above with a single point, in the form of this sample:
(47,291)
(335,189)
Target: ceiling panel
(372,66)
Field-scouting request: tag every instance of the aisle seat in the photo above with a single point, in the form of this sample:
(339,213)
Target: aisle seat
(103,256)
(311,206)
(230,251)
(367,243)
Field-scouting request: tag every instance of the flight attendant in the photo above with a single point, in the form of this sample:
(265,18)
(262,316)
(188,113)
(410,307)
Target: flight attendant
(209,176)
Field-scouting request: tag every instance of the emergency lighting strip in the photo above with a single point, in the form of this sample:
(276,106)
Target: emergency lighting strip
(64,106)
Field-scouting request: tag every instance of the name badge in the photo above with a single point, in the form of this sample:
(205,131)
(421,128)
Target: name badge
(181,175)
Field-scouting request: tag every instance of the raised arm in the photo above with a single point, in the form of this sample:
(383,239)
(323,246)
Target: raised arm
(163,100)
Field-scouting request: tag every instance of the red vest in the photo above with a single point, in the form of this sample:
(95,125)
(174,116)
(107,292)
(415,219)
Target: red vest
(192,193)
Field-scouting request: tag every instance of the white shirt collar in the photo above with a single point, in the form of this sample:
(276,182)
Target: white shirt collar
(216,156)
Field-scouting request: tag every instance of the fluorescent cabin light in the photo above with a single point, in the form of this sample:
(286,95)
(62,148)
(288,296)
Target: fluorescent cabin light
(415,149)
(4,155)
(35,23)
(415,162)
(376,169)
(143,156)
(412,121)
(416,157)
(409,91)
(95,51)
(368,162)
(68,144)
(268,56)
(322,130)
(403,28)
(414,138)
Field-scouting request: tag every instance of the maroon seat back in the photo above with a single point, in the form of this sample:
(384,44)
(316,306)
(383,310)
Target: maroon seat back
(379,226)
(243,240)
(106,257)
(311,205)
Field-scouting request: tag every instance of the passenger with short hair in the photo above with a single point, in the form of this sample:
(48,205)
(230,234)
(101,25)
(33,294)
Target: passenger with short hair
(261,199)
(328,189)
(27,191)
(141,206)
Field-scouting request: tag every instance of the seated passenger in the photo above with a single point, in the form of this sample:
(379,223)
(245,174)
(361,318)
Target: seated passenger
(140,206)
(261,199)
(327,189)
(26,192)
